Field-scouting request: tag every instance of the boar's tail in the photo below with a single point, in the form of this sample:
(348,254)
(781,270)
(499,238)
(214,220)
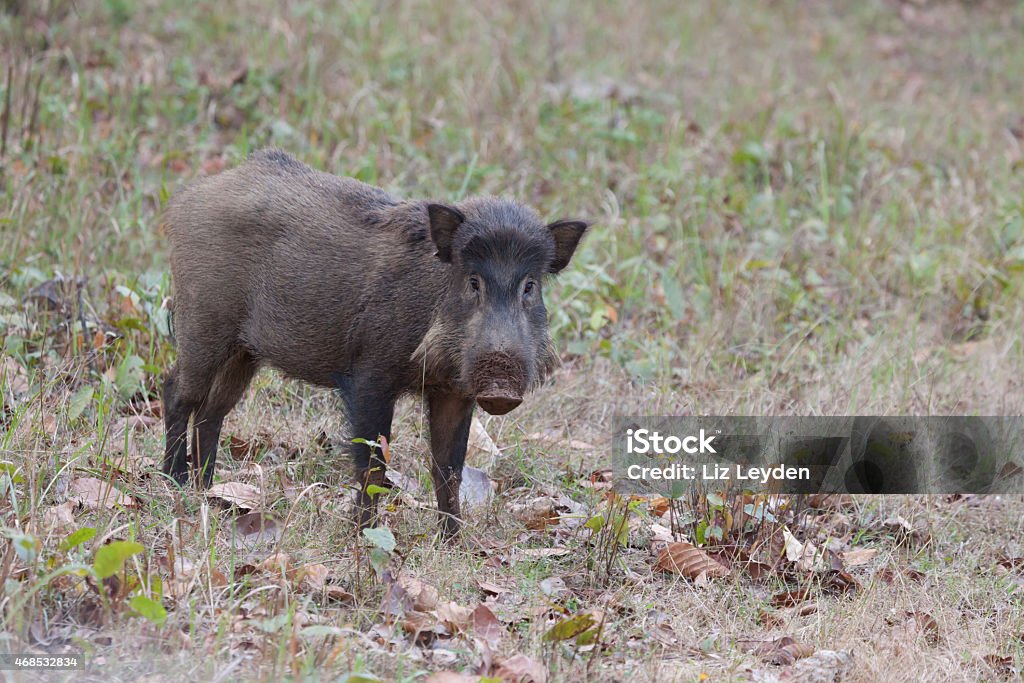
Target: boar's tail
(169,305)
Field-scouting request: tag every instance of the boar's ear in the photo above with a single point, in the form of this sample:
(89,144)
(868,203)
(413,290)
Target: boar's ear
(444,221)
(567,236)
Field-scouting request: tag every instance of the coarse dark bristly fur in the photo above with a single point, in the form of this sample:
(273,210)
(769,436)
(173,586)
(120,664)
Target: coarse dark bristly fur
(340,284)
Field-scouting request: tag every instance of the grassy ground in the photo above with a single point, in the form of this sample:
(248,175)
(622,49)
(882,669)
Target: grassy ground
(799,208)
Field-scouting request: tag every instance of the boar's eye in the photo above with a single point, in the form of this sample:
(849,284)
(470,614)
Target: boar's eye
(528,290)
(474,283)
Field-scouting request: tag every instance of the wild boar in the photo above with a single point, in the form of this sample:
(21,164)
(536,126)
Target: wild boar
(340,284)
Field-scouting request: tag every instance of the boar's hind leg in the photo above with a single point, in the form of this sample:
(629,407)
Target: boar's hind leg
(450,417)
(228,386)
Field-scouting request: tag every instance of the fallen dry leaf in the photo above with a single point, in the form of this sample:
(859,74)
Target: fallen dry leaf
(659,505)
(805,556)
(280,564)
(824,666)
(97,494)
(244,570)
(792,597)
(245,496)
(315,579)
(476,487)
(423,626)
(573,626)
(686,559)
(496,561)
(599,480)
(769,547)
(486,626)
(858,556)
(548,437)
(1010,562)
(314,576)
(454,616)
(903,531)
(554,587)
(770,619)
(521,669)
(246,448)
(402,482)
(661,534)
(1002,665)
(839,581)
(182,575)
(536,514)
(918,623)
(757,570)
(240,448)
(450,677)
(490,588)
(255,527)
(14,377)
(664,634)
(59,517)
(397,602)
(424,596)
(481,448)
(784,651)
(889,574)
(544,552)
(218,578)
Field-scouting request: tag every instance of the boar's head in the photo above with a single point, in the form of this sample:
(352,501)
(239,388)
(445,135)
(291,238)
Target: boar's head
(490,330)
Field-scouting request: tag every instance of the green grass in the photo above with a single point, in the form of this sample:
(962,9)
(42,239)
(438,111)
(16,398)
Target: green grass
(798,208)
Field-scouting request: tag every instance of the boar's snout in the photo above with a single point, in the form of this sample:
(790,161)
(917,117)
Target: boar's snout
(498,403)
(499,380)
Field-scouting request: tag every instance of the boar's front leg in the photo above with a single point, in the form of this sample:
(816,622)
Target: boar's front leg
(370,416)
(450,417)
(177,413)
